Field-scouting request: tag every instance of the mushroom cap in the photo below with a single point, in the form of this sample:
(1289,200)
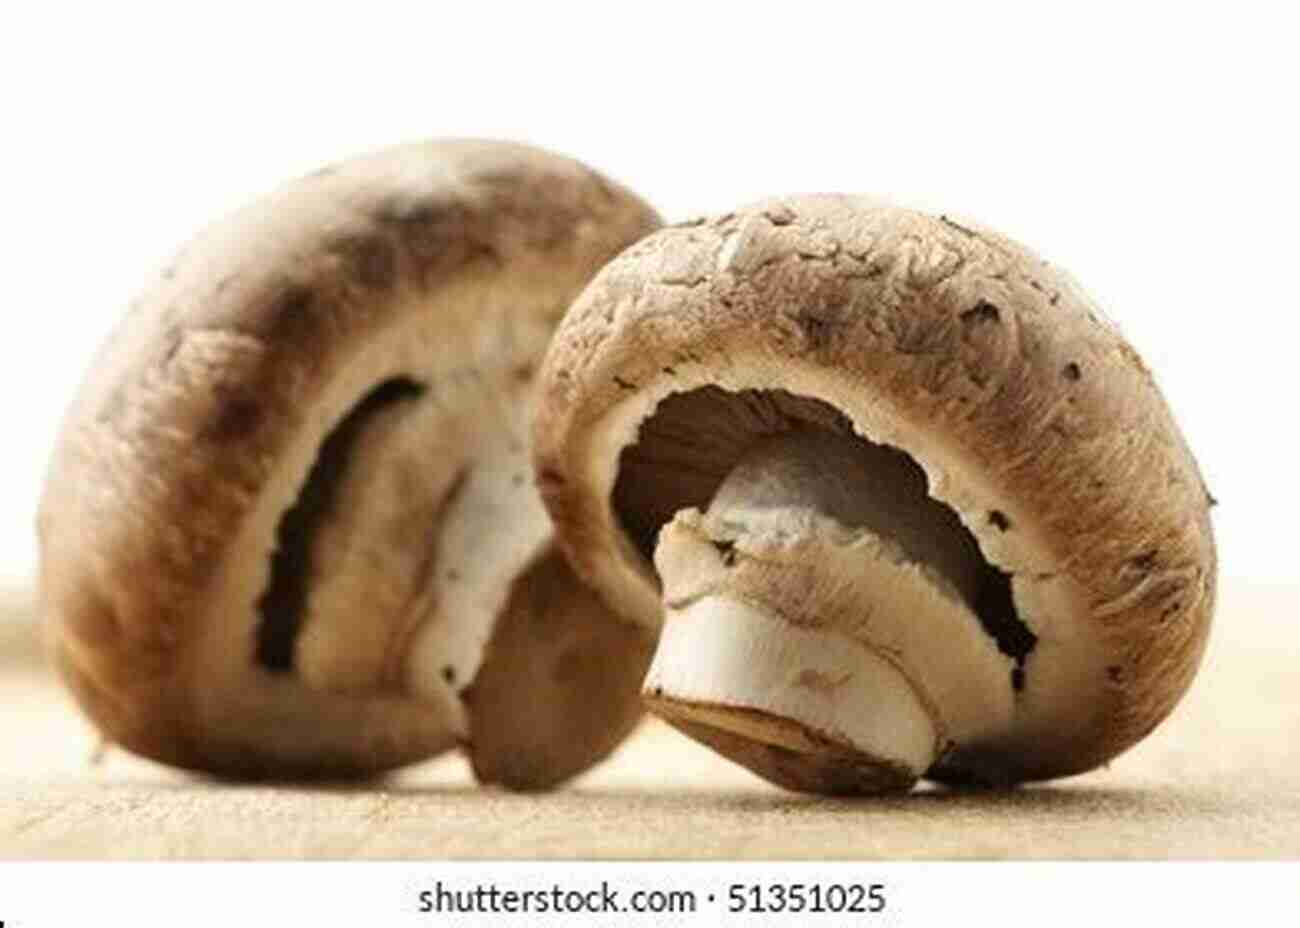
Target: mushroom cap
(1029,414)
(560,684)
(237,535)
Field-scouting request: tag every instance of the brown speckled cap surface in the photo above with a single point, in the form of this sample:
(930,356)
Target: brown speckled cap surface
(249,347)
(1030,414)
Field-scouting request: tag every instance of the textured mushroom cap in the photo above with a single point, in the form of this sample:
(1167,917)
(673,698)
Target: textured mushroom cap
(541,708)
(1029,414)
(283,345)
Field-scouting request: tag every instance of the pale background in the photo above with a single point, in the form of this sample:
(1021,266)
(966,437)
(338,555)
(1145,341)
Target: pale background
(1149,148)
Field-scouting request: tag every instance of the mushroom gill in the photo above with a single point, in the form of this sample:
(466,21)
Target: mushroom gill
(700,446)
(282,605)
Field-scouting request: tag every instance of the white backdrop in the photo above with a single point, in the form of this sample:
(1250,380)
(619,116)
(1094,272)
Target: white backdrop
(1150,149)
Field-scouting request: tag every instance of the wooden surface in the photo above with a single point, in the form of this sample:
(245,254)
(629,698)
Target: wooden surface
(1221,779)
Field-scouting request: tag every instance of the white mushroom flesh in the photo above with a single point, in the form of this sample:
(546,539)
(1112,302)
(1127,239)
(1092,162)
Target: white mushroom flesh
(886,654)
(439,516)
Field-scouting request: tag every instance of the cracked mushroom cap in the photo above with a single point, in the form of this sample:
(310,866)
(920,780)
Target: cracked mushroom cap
(899,500)
(289,528)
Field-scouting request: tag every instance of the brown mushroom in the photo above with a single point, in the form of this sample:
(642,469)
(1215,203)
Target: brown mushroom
(904,501)
(293,496)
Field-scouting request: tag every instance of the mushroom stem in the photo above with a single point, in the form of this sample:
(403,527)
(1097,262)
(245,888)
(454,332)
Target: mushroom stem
(806,708)
(798,610)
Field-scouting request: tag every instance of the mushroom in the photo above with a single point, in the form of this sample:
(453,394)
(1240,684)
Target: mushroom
(289,528)
(897,498)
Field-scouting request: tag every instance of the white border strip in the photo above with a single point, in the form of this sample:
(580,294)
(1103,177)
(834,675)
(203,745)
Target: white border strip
(33,895)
